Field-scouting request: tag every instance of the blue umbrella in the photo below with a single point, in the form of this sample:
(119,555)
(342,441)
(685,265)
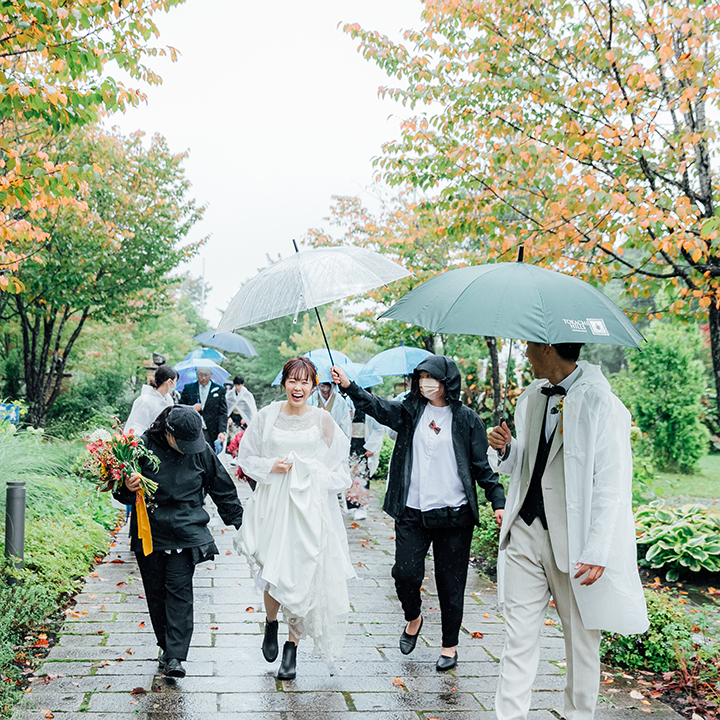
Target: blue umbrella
(187,371)
(395,361)
(228,341)
(206,354)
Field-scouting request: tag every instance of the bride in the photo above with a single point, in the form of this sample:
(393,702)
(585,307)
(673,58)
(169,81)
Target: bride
(292,533)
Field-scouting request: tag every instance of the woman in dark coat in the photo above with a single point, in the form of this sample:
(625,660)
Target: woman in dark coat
(440,454)
(188,470)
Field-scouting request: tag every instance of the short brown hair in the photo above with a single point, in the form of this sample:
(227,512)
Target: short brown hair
(299,367)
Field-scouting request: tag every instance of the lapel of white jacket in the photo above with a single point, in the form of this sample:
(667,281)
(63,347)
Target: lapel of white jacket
(533,428)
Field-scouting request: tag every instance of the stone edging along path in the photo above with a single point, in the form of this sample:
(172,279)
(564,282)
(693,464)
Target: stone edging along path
(105,664)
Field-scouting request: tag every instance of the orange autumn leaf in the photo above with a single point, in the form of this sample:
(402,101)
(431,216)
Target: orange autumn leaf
(486,615)
(250,609)
(477,635)
(398,681)
(141,625)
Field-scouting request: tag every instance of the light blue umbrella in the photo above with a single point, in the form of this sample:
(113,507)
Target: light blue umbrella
(395,361)
(227,341)
(187,371)
(206,354)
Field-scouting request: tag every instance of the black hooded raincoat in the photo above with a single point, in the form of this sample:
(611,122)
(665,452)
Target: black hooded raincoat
(468,432)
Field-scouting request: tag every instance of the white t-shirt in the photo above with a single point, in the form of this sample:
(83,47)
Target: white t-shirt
(434,480)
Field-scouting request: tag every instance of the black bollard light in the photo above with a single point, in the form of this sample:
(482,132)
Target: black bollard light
(15,522)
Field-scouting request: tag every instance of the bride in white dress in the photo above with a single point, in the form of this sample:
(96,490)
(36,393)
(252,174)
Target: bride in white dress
(293,533)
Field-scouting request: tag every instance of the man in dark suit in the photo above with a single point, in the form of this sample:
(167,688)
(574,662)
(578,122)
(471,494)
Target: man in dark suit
(208,398)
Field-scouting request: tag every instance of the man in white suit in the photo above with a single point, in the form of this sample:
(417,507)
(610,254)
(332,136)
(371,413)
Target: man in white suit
(568,530)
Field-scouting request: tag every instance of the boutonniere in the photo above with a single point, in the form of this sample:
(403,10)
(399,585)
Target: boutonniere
(559,409)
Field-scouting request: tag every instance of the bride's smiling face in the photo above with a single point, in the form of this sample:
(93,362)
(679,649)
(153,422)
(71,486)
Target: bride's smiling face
(298,390)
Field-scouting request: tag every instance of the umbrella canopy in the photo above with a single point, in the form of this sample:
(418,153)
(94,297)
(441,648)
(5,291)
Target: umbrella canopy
(187,371)
(206,354)
(519,301)
(227,341)
(353,370)
(395,361)
(306,280)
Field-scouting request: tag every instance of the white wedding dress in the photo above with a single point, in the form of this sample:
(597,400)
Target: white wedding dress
(293,533)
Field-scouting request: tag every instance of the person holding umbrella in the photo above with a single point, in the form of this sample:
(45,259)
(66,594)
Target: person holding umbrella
(439,456)
(293,535)
(568,529)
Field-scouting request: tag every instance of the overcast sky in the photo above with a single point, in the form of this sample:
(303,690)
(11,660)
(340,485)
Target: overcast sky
(278,111)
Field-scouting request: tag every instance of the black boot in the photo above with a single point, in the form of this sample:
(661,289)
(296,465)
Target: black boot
(270,645)
(287,666)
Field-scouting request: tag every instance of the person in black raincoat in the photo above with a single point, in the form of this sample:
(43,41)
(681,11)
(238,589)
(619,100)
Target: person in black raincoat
(440,454)
(188,470)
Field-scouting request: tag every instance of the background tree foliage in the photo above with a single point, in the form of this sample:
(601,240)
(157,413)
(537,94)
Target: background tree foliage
(105,258)
(53,57)
(580,130)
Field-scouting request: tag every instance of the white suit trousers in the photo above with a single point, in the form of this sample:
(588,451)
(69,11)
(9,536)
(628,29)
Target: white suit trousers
(531,577)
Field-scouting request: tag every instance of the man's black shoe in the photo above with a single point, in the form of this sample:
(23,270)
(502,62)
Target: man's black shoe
(174,668)
(446,663)
(270,643)
(408,642)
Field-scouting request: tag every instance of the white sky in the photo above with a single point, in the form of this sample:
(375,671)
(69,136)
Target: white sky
(279,112)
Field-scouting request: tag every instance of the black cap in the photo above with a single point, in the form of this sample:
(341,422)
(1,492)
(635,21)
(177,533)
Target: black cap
(185,425)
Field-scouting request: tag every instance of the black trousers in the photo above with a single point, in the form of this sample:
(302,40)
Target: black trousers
(167,578)
(451,550)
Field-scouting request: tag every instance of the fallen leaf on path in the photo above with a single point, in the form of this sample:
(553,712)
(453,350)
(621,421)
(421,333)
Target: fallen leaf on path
(398,681)
(49,715)
(608,681)
(228,552)
(138,691)
(486,615)
(636,695)
(129,651)
(141,625)
(550,622)
(476,635)
(213,627)
(354,525)
(250,609)
(118,560)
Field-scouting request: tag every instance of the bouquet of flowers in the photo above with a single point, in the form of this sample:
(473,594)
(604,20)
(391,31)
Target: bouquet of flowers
(113,458)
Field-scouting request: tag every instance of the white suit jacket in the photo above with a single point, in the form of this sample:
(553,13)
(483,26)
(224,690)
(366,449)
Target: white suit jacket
(598,498)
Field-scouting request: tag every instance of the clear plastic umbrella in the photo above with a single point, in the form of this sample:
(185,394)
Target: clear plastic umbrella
(206,354)
(307,280)
(187,371)
(227,341)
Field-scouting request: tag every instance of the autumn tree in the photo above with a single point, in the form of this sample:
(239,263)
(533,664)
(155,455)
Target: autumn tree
(53,58)
(583,131)
(107,257)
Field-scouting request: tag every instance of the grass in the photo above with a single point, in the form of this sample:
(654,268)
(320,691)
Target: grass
(705,483)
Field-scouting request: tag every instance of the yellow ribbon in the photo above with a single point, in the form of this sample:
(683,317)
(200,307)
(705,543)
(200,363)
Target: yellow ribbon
(143,522)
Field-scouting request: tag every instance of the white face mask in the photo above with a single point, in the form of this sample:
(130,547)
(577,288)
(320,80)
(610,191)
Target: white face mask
(429,388)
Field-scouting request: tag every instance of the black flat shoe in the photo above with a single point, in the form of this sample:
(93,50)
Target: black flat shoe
(270,643)
(446,663)
(174,668)
(408,642)
(289,659)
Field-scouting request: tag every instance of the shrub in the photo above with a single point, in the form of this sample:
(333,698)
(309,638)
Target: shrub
(485,541)
(663,391)
(384,464)
(684,538)
(674,641)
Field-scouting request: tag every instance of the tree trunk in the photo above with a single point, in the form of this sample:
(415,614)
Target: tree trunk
(714,324)
(498,409)
(429,343)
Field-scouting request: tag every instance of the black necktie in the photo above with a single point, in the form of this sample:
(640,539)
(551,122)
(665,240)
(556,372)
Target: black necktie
(553,390)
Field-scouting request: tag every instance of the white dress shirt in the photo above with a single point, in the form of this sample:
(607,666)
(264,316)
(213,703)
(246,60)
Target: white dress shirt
(553,418)
(434,480)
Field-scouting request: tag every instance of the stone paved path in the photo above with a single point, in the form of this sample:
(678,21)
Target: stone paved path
(107,651)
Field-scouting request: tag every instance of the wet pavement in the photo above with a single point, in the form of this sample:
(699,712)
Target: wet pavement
(105,664)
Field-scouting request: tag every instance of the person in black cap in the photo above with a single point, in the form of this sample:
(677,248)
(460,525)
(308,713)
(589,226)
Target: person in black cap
(188,470)
(439,456)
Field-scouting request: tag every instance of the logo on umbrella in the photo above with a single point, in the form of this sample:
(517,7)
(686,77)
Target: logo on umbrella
(596,325)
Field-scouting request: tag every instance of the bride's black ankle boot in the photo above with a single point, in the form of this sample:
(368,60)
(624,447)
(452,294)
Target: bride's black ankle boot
(270,644)
(287,666)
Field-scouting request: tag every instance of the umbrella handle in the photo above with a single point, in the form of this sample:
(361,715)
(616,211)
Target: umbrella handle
(507,383)
(317,314)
